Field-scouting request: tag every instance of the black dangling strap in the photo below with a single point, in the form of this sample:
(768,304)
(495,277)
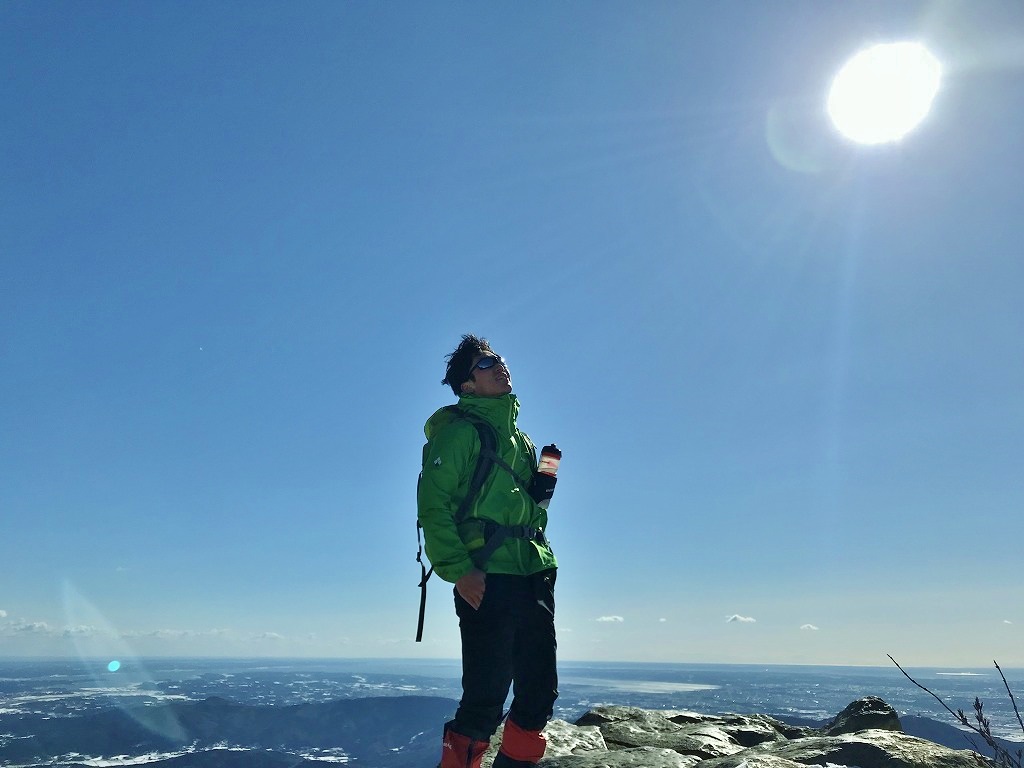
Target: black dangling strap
(424,576)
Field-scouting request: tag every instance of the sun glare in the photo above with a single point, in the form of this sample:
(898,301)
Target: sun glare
(883,92)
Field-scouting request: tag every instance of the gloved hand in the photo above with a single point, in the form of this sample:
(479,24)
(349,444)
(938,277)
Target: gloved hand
(542,488)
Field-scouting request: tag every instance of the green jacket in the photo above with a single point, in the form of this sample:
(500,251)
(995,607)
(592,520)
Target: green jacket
(447,468)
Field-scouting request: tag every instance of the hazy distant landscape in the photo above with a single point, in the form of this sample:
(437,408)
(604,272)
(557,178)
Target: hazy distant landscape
(387,714)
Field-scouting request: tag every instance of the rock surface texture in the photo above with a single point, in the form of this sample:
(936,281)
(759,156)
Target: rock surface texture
(867,734)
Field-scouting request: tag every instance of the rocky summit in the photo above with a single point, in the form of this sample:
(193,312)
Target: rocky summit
(867,734)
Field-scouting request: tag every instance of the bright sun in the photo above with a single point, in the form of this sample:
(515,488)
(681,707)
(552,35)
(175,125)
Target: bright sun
(883,92)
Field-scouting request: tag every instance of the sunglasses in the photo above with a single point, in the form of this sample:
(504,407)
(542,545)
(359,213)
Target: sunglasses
(487,361)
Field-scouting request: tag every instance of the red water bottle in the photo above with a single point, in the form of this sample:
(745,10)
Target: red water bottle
(550,456)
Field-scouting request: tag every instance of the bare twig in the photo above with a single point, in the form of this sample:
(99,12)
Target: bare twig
(1008,691)
(1002,756)
(958,715)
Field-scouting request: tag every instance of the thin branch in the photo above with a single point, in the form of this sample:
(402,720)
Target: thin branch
(1012,700)
(959,716)
(1002,755)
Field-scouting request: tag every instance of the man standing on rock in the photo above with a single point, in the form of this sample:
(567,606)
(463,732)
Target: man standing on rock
(493,548)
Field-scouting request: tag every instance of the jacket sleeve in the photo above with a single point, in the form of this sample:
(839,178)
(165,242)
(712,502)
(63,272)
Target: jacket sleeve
(446,471)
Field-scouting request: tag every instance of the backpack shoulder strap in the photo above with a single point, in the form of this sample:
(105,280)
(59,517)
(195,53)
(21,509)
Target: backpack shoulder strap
(485,461)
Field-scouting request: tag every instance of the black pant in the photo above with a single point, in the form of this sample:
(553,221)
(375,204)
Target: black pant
(509,640)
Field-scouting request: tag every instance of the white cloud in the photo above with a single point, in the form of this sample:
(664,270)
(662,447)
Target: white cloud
(3,614)
(741,619)
(82,630)
(162,634)
(1005,621)
(172,634)
(662,620)
(266,636)
(809,626)
(614,619)
(29,627)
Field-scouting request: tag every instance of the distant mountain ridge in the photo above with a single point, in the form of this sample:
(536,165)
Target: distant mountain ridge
(220,758)
(378,732)
(402,728)
(951,736)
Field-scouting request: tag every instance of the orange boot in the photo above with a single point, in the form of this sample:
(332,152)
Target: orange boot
(461,751)
(519,748)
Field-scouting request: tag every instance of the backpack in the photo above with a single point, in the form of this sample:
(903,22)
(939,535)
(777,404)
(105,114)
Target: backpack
(486,460)
(484,464)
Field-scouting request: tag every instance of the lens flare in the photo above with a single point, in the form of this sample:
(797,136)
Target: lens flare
(95,639)
(884,92)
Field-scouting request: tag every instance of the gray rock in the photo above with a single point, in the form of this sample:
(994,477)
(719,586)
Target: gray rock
(751,730)
(568,739)
(748,760)
(860,715)
(638,757)
(872,748)
(864,735)
(627,727)
(602,715)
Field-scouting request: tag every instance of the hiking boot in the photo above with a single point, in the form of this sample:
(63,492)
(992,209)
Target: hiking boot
(520,748)
(461,751)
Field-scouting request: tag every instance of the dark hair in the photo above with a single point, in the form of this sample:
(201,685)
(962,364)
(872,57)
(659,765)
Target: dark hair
(460,362)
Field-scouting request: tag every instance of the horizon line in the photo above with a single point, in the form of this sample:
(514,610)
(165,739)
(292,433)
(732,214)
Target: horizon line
(457,661)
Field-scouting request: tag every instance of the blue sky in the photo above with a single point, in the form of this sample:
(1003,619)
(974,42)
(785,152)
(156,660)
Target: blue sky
(785,370)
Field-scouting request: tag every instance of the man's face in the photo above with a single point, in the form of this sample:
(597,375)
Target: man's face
(492,381)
